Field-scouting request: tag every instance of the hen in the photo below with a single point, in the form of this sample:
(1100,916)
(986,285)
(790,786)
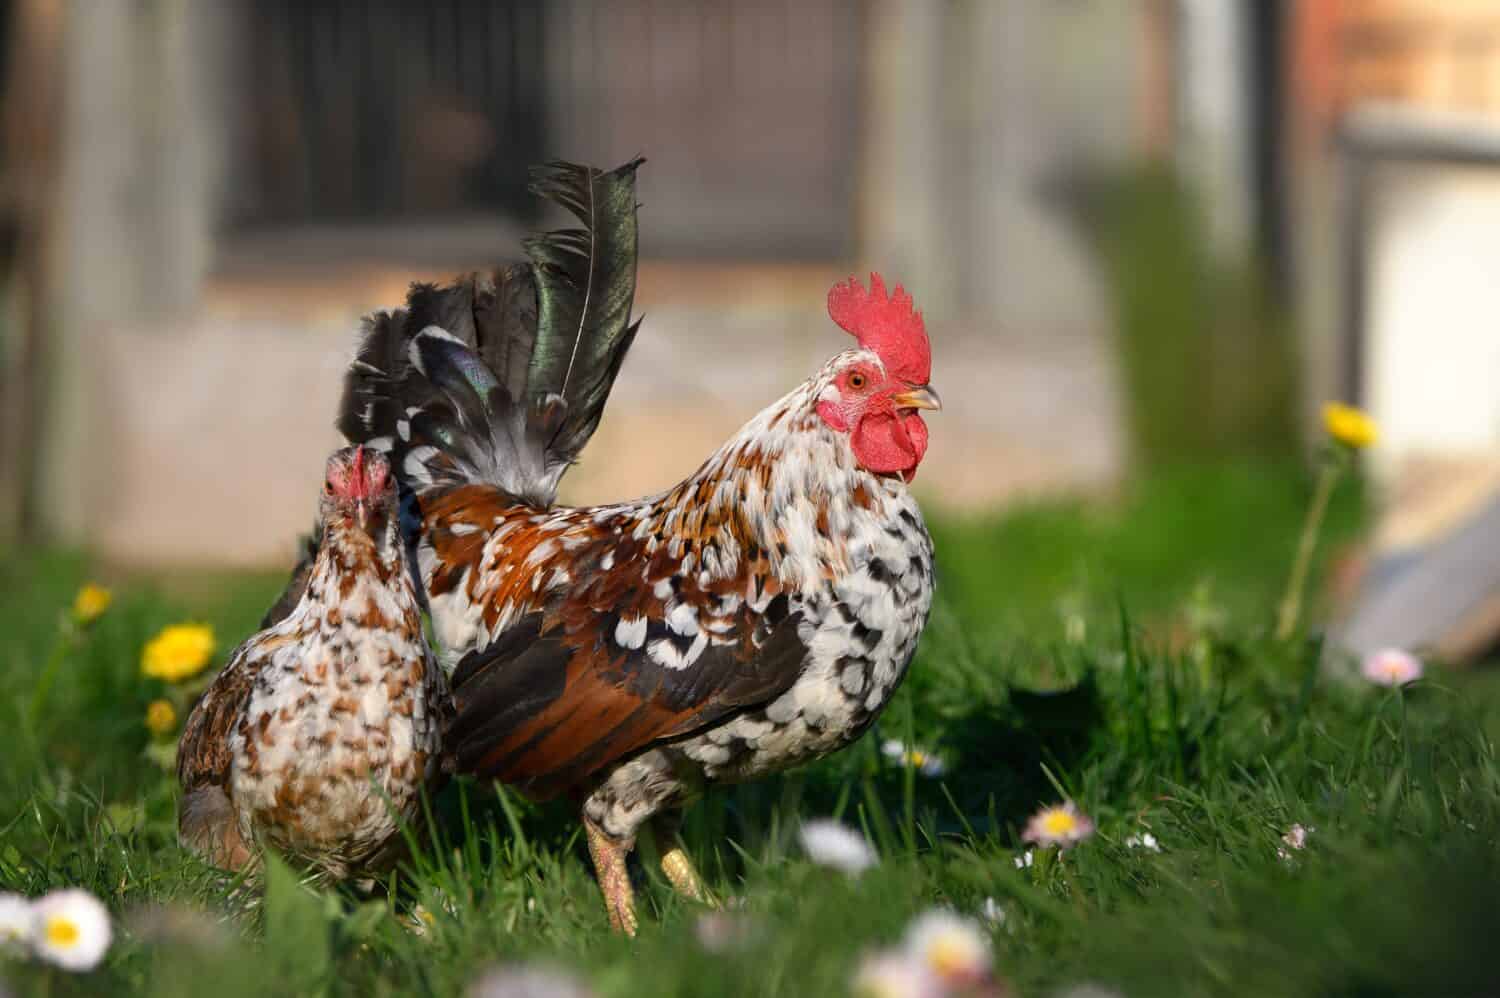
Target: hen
(756,616)
(321,733)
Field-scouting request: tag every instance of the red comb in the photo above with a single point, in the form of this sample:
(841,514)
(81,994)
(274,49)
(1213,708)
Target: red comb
(349,481)
(888,325)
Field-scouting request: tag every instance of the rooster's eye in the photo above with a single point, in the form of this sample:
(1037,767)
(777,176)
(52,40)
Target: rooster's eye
(856,381)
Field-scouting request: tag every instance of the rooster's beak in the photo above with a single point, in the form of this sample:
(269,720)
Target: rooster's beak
(362,514)
(921,397)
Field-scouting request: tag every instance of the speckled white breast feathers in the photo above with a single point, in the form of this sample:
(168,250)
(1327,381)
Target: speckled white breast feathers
(339,734)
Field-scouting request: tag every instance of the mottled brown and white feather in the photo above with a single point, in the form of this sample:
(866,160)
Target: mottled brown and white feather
(320,735)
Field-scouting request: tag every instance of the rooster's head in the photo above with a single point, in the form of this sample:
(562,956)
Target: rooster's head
(877,391)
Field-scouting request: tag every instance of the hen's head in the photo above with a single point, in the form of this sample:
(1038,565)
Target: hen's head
(359,491)
(877,392)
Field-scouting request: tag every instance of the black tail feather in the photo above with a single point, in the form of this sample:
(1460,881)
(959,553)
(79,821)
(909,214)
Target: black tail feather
(495,314)
(585,288)
(513,381)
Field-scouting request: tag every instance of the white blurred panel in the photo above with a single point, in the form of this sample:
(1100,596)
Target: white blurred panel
(1432,376)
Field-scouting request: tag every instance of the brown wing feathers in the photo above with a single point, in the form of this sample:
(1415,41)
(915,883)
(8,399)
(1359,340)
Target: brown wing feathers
(203,753)
(556,712)
(557,697)
(206,821)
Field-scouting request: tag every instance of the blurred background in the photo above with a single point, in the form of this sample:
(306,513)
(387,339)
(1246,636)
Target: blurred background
(1145,234)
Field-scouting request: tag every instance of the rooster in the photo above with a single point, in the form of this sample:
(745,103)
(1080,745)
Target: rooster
(758,615)
(321,733)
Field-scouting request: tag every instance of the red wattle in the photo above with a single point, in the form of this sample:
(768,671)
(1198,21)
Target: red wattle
(885,443)
(916,431)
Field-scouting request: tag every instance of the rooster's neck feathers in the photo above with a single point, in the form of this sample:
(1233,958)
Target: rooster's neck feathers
(785,484)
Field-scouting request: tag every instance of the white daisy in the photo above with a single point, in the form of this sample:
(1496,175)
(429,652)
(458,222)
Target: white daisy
(70,928)
(993,912)
(529,981)
(15,921)
(829,843)
(1295,840)
(894,974)
(1060,825)
(1391,667)
(420,920)
(1025,859)
(925,762)
(1145,841)
(954,948)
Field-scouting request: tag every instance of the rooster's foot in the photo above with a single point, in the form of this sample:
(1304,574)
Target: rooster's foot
(614,879)
(677,865)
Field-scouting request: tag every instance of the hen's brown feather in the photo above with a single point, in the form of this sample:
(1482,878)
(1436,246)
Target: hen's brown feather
(205,820)
(203,756)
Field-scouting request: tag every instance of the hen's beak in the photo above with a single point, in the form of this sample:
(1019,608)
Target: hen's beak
(362,514)
(921,397)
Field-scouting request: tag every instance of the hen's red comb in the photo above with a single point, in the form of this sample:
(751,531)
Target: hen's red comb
(888,325)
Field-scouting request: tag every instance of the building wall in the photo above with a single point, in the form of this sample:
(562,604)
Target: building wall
(200,342)
(1440,54)
(1415,75)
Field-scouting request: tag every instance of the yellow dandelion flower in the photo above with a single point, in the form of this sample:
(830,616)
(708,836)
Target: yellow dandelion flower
(91,602)
(178,652)
(1348,425)
(161,718)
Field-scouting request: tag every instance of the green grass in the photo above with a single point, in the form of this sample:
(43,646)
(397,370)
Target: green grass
(1116,653)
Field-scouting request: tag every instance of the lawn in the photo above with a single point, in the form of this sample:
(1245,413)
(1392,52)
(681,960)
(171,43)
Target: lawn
(1112,652)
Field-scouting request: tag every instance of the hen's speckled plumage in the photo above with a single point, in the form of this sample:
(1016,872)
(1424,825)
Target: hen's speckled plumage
(322,731)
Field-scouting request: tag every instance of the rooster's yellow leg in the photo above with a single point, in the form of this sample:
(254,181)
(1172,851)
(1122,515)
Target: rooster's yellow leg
(677,865)
(614,879)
